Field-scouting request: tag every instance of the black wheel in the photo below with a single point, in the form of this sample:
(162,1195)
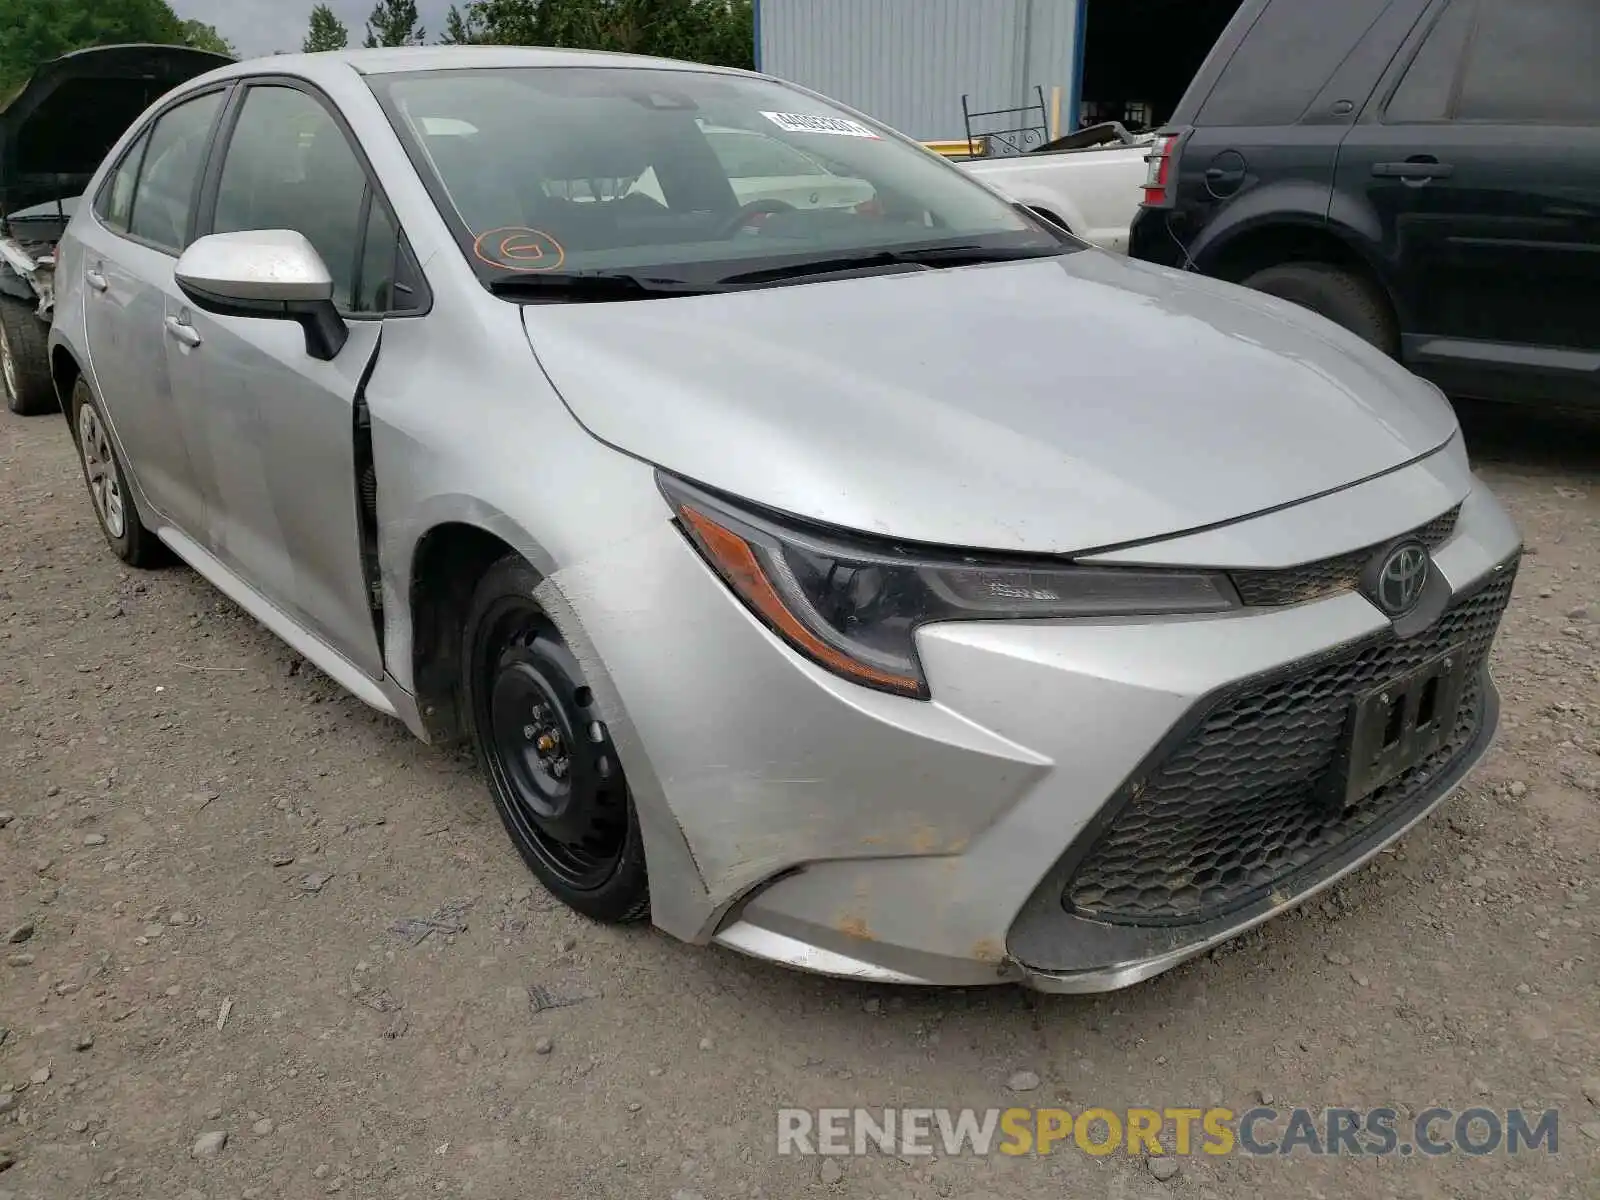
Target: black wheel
(25,360)
(1342,296)
(555,776)
(108,485)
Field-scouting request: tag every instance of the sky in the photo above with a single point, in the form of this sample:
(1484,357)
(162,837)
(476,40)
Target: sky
(263,26)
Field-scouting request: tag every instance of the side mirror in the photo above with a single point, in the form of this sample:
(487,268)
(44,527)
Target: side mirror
(271,274)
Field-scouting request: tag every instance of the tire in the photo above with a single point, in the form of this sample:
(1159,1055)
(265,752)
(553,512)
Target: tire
(553,772)
(25,361)
(113,503)
(1342,296)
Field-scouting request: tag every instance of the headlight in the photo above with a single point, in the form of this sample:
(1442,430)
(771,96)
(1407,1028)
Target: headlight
(853,605)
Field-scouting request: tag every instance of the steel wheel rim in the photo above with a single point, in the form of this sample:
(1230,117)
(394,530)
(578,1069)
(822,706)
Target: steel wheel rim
(567,801)
(100,469)
(8,364)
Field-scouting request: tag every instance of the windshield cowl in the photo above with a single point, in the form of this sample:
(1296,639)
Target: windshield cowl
(599,286)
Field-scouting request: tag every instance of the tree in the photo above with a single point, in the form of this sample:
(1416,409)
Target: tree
(713,31)
(394,23)
(327,31)
(462,28)
(32,32)
(205,37)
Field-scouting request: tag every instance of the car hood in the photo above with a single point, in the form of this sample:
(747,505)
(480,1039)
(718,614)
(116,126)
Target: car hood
(1052,405)
(55,130)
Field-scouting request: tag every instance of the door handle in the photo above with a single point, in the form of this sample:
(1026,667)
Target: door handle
(97,281)
(1413,169)
(183,332)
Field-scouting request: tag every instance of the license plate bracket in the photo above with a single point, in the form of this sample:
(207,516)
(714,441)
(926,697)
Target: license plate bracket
(1402,723)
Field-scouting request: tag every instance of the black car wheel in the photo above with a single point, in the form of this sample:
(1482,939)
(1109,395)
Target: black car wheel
(1342,296)
(24,360)
(553,772)
(114,507)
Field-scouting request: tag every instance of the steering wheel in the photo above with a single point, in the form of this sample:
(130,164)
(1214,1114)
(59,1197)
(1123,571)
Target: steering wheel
(747,213)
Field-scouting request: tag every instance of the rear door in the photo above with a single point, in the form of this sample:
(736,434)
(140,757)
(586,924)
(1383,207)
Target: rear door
(280,426)
(1479,163)
(143,217)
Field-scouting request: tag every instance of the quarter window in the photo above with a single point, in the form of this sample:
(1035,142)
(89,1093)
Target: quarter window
(163,199)
(387,279)
(1285,59)
(289,166)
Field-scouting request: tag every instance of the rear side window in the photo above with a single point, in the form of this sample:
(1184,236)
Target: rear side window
(163,198)
(1285,59)
(1427,93)
(115,202)
(1534,62)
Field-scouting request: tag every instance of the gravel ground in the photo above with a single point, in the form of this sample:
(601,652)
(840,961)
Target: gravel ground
(206,848)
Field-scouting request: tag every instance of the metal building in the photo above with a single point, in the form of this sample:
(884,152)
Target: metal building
(1065,62)
(909,62)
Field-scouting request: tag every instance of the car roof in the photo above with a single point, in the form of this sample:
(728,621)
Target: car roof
(400,59)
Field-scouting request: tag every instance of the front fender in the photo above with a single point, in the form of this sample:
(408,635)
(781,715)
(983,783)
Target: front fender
(679,900)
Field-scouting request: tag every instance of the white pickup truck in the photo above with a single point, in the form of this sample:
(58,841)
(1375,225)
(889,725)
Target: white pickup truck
(1089,182)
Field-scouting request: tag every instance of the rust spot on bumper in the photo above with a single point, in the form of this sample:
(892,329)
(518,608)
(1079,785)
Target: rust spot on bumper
(988,950)
(856,927)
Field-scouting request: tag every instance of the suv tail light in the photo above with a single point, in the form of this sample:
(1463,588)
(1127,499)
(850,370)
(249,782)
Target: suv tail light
(1160,179)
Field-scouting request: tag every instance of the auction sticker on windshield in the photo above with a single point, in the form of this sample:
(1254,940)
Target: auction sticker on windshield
(806,123)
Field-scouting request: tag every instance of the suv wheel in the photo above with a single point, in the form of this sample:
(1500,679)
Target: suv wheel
(1342,296)
(555,776)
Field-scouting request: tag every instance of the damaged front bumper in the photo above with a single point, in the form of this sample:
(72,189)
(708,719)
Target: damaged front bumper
(1140,703)
(800,819)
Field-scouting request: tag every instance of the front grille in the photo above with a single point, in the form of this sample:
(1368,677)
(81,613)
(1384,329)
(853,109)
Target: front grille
(1296,585)
(1236,804)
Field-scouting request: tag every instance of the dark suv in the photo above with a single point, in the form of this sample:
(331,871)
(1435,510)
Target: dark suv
(1424,172)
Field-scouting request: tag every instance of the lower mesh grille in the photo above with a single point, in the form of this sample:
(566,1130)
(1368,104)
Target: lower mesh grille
(1235,806)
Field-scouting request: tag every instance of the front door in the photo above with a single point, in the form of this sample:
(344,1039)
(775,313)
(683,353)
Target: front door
(1481,163)
(279,424)
(143,216)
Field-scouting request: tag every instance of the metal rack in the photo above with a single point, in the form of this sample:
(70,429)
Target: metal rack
(1007,139)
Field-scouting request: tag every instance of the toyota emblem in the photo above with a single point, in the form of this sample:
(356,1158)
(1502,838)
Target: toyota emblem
(1401,579)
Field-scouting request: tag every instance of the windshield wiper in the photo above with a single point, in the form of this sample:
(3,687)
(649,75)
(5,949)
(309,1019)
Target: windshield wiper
(592,286)
(925,257)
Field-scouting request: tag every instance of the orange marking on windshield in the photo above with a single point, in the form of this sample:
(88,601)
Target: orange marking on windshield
(518,248)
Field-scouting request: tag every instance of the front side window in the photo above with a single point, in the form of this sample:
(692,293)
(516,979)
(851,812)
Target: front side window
(164,196)
(289,166)
(677,175)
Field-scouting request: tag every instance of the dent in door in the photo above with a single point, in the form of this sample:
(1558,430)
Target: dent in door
(280,426)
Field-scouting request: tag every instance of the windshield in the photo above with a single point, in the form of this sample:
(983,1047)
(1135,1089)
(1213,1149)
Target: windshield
(684,176)
(746,155)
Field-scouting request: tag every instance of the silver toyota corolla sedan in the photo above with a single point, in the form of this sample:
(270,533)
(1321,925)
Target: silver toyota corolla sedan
(890,587)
